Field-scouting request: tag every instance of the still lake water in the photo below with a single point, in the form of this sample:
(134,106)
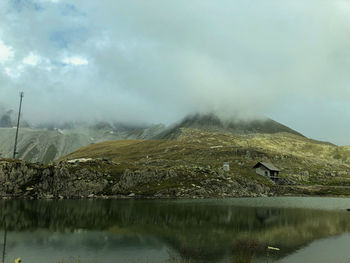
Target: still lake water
(231,230)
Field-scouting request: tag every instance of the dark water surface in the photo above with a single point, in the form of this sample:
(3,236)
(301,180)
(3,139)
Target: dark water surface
(230,230)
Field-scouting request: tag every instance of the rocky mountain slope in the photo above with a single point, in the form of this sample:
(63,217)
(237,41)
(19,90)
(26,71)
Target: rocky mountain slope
(47,142)
(45,145)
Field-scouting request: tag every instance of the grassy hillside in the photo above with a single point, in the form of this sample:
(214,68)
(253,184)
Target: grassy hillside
(301,160)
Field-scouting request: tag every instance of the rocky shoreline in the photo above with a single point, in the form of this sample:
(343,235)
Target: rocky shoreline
(99,179)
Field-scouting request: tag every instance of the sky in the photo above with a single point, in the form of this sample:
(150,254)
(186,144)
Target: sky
(156,61)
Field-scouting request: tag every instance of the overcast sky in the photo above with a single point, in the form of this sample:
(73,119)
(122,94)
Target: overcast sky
(158,60)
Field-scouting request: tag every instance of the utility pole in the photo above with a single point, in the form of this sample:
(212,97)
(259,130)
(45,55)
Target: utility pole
(21,94)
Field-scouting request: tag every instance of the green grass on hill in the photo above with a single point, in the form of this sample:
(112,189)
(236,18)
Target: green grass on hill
(300,159)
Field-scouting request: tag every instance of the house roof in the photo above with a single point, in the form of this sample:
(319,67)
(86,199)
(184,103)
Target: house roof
(269,166)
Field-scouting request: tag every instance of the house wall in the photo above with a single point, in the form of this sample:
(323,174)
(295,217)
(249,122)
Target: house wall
(261,170)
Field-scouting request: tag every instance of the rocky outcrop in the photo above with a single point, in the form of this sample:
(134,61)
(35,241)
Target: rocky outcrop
(93,178)
(133,179)
(25,180)
(196,183)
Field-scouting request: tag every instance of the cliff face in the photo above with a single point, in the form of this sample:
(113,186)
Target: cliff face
(91,178)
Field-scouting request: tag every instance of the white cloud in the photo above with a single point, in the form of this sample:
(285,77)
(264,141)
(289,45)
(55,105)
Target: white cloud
(50,1)
(6,52)
(75,61)
(32,59)
(343,6)
(14,72)
(16,69)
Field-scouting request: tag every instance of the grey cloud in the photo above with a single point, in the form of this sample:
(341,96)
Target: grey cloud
(159,60)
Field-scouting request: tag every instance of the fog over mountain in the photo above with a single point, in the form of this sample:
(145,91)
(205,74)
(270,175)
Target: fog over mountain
(158,61)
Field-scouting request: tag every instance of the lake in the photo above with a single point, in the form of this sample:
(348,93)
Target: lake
(305,229)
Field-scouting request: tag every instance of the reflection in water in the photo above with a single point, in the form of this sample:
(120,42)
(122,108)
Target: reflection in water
(153,231)
(4,241)
(331,249)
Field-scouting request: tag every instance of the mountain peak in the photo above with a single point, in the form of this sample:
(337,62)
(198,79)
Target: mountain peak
(211,122)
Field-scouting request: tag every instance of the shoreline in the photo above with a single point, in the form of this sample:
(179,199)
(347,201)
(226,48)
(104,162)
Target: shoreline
(139,197)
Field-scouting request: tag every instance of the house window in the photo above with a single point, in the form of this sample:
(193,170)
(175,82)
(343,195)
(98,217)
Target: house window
(265,173)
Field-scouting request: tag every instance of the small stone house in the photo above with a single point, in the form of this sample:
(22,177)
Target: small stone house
(268,170)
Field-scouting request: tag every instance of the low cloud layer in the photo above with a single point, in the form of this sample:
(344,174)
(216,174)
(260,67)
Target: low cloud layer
(157,61)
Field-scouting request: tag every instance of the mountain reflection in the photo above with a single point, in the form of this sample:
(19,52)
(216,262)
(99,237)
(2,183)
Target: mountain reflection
(196,231)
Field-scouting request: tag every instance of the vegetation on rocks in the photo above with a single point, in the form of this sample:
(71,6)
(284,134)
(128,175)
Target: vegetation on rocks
(196,157)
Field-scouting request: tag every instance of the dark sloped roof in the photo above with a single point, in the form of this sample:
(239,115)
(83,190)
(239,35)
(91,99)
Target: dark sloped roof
(269,166)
